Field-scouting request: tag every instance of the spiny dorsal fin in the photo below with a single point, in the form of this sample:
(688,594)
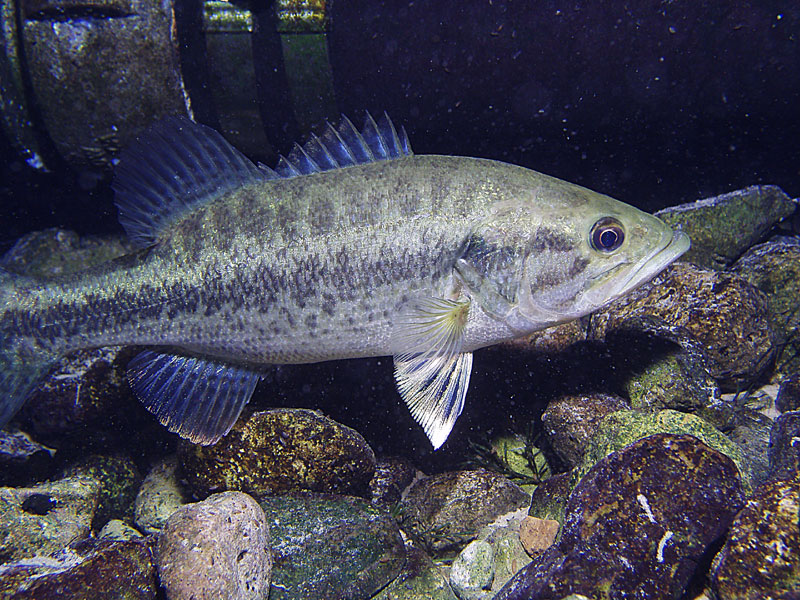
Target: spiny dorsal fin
(170,169)
(344,146)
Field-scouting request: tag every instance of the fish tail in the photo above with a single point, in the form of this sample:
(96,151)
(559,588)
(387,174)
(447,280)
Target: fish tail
(23,364)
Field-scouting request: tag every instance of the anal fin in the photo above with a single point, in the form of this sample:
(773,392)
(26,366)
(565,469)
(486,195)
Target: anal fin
(198,399)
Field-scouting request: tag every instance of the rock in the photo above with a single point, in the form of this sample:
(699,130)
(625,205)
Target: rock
(119,483)
(503,534)
(549,500)
(570,421)
(46,518)
(22,460)
(472,571)
(723,227)
(420,579)
(217,548)
(663,366)
(774,268)
(752,437)
(723,312)
(392,476)
(332,547)
(625,427)
(53,252)
(159,496)
(637,524)
(761,557)
(551,340)
(446,511)
(537,535)
(784,447)
(279,451)
(118,530)
(108,570)
(789,394)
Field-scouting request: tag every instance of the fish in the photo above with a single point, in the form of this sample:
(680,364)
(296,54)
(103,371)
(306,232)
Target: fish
(352,246)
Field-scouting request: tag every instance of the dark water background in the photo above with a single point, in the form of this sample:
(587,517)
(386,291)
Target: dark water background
(654,102)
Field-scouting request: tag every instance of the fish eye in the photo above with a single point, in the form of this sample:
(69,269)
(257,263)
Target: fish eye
(607,235)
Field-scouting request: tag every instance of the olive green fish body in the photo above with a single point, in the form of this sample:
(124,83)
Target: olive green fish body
(425,258)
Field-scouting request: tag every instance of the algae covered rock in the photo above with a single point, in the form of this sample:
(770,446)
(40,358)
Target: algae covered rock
(278,451)
(332,547)
(472,571)
(46,518)
(420,579)
(107,570)
(761,557)
(392,476)
(723,227)
(784,447)
(722,311)
(445,512)
(637,524)
(549,499)
(159,496)
(571,421)
(774,268)
(216,548)
(625,427)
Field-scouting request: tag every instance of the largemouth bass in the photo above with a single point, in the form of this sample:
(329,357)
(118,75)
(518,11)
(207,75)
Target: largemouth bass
(352,247)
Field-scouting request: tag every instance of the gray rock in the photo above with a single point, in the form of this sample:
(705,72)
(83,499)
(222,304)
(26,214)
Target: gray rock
(637,524)
(392,476)
(332,547)
(774,268)
(23,460)
(723,227)
(420,579)
(472,571)
(46,518)
(570,421)
(761,557)
(784,447)
(217,548)
(107,570)
(278,451)
(722,311)
(503,534)
(159,496)
(445,512)
(789,394)
(118,530)
(753,438)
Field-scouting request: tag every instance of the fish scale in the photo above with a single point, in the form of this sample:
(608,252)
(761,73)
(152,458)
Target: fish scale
(354,247)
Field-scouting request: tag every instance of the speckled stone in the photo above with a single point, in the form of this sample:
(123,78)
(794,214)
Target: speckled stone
(472,571)
(761,557)
(726,314)
(774,268)
(549,499)
(445,512)
(570,421)
(279,451)
(46,518)
(119,483)
(217,548)
(107,570)
(392,476)
(789,394)
(625,427)
(159,496)
(332,547)
(420,579)
(637,524)
(784,447)
(723,227)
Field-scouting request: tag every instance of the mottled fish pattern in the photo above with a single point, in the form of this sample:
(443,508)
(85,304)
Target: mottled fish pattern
(352,247)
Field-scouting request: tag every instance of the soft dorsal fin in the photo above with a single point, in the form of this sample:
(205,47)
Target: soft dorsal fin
(344,146)
(170,169)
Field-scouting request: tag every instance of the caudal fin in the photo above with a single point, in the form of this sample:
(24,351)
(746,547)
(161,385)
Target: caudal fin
(22,365)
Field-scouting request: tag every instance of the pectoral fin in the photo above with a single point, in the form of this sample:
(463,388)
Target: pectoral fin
(431,371)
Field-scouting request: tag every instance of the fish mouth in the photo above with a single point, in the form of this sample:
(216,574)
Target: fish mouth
(674,244)
(652,264)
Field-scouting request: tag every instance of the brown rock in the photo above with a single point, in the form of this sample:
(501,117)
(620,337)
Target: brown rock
(537,535)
